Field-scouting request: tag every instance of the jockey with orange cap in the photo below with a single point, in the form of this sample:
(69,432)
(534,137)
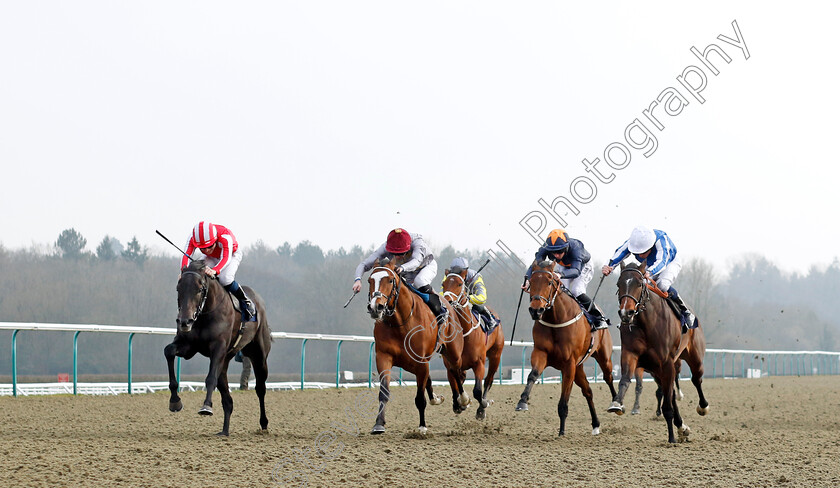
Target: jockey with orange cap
(415,263)
(655,248)
(575,270)
(222,256)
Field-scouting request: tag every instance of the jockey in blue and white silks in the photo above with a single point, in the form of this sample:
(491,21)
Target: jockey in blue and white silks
(658,252)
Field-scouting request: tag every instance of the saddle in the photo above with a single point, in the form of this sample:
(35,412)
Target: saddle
(487,328)
(238,307)
(593,319)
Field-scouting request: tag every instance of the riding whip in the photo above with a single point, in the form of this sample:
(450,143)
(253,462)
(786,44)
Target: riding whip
(483,265)
(592,302)
(521,292)
(351,299)
(173,245)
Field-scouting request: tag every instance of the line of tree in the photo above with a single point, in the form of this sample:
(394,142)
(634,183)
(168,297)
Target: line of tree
(756,306)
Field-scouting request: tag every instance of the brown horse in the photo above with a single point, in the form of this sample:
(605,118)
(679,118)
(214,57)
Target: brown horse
(652,338)
(209,324)
(407,335)
(562,339)
(478,345)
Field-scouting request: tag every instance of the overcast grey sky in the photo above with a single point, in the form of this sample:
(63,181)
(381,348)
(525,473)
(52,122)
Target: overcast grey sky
(336,121)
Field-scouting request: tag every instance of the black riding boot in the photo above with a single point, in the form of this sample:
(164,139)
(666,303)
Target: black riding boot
(488,319)
(592,308)
(245,302)
(688,318)
(434,303)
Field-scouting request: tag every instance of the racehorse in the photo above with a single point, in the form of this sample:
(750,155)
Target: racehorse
(562,339)
(652,338)
(638,378)
(208,323)
(406,334)
(478,345)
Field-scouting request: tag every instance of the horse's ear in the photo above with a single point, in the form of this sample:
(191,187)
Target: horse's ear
(384,261)
(446,271)
(545,263)
(621,266)
(643,266)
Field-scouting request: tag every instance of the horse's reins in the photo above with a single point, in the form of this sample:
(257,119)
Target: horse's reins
(550,303)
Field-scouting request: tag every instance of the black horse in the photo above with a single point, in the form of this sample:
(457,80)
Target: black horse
(209,324)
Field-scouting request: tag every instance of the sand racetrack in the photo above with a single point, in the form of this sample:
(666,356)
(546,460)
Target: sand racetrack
(778,431)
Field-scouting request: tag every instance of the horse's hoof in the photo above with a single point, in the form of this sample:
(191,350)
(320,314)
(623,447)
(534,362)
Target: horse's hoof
(176,406)
(223,434)
(464,400)
(703,410)
(205,410)
(522,407)
(635,411)
(680,395)
(436,400)
(616,408)
(490,402)
(683,431)
(596,431)
(480,414)
(378,429)
(561,433)
(422,430)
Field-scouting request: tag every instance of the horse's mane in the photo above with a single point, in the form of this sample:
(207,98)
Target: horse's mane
(196,266)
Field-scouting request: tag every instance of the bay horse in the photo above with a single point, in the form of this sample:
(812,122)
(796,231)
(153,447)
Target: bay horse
(209,324)
(652,338)
(563,340)
(406,334)
(478,345)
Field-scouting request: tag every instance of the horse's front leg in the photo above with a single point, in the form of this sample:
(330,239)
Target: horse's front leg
(170,352)
(628,367)
(569,378)
(383,367)
(422,377)
(666,382)
(539,358)
(478,390)
(460,400)
(217,356)
(227,400)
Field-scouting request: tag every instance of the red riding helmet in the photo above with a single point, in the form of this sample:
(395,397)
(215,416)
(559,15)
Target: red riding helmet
(204,235)
(399,241)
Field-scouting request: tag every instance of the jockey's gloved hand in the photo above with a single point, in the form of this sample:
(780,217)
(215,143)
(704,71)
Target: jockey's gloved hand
(398,270)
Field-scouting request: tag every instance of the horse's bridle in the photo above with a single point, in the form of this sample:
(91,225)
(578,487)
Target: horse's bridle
(553,283)
(394,295)
(204,292)
(644,295)
(456,302)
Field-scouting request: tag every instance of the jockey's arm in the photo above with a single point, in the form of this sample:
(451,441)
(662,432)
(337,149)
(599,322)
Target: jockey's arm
(418,253)
(479,291)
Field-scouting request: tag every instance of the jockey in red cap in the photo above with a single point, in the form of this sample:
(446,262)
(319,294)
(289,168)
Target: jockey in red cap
(418,265)
(222,256)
